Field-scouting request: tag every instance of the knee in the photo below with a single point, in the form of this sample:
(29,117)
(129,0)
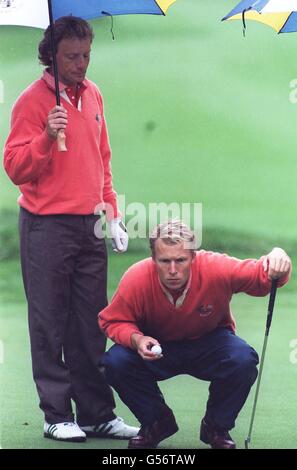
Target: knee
(245,361)
(118,361)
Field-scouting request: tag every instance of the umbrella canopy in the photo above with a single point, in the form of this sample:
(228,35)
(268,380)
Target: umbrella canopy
(279,14)
(35,13)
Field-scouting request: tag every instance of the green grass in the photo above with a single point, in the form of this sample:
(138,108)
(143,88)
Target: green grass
(275,419)
(22,420)
(196,113)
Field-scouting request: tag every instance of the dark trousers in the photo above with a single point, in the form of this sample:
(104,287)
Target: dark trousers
(220,357)
(64,272)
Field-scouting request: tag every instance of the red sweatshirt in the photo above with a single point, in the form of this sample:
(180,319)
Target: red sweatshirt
(53,182)
(140,304)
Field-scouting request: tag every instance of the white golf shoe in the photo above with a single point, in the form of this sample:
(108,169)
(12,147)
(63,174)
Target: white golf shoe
(67,431)
(114,429)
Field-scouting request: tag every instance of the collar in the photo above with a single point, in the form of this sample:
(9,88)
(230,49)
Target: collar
(182,297)
(50,81)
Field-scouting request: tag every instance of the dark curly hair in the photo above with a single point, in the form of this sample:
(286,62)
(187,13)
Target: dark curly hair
(64,27)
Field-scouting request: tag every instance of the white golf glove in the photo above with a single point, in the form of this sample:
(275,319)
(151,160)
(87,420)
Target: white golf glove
(119,235)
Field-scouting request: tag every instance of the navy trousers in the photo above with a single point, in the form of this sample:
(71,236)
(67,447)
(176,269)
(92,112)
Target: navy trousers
(64,272)
(220,357)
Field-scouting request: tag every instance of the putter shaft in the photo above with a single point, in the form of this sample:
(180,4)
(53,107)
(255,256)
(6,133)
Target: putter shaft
(268,323)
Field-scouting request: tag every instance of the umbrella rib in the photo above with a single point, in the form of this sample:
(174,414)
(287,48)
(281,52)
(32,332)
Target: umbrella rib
(111,18)
(289,16)
(155,1)
(243,18)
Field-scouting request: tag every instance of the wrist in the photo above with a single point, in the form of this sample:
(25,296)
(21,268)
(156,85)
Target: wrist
(135,337)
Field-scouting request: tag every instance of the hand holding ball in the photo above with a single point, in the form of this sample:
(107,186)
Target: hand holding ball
(156,349)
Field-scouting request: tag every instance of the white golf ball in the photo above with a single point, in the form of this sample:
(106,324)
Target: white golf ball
(156,349)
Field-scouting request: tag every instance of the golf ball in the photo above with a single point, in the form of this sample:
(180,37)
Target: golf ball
(156,349)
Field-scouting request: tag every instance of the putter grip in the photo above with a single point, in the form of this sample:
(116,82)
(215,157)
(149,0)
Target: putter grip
(61,139)
(271,303)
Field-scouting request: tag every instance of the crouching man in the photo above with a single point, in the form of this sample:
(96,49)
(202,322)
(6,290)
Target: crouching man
(180,299)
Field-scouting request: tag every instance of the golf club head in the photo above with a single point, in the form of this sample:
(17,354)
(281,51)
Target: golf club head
(246,442)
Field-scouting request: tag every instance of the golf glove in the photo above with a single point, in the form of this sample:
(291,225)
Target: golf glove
(120,238)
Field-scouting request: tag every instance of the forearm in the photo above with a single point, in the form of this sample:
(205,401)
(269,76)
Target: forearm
(118,331)
(109,195)
(254,276)
(26,155)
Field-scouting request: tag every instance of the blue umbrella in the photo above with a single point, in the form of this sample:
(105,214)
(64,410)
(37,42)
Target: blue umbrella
(96,8)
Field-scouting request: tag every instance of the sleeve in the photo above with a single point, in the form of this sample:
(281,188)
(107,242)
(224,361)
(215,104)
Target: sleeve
(119,321)
(27,150)
(249,276)
(109,195)
(124,315)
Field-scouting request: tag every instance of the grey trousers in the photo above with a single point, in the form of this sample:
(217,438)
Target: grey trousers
(64,270)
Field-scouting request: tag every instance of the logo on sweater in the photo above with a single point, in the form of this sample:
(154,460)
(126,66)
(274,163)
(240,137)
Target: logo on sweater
(9,5)
(205,310)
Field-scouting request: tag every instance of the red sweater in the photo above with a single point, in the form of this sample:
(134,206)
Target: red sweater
(140,305)
(53,182)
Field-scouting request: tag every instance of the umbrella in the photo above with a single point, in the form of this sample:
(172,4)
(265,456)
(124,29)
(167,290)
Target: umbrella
(42,13)
(279,14)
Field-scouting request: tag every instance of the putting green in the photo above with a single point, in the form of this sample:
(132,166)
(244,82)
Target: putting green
(196,113)
(275,420)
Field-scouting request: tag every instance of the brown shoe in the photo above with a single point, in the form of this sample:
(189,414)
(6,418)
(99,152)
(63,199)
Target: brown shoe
(150,436)
(218,438)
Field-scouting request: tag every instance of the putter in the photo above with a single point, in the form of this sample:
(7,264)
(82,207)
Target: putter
(268,323)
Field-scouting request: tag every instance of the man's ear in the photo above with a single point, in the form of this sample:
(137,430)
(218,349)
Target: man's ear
(193,256)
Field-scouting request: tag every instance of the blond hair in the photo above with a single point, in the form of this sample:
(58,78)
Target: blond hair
(172,232)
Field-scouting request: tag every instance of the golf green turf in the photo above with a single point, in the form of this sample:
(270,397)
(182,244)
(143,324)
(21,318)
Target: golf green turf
(275,422)
(196,113)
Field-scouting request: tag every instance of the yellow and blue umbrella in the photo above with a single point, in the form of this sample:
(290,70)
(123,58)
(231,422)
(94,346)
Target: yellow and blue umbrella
(281,15)
(96,8)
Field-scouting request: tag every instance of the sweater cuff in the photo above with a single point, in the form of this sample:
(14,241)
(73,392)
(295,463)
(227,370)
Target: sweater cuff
(125,337)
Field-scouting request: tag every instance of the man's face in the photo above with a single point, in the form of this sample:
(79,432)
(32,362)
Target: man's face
(73,58)
(173,264)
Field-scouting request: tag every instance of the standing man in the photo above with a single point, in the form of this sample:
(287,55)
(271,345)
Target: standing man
(64,264)
(180,298)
